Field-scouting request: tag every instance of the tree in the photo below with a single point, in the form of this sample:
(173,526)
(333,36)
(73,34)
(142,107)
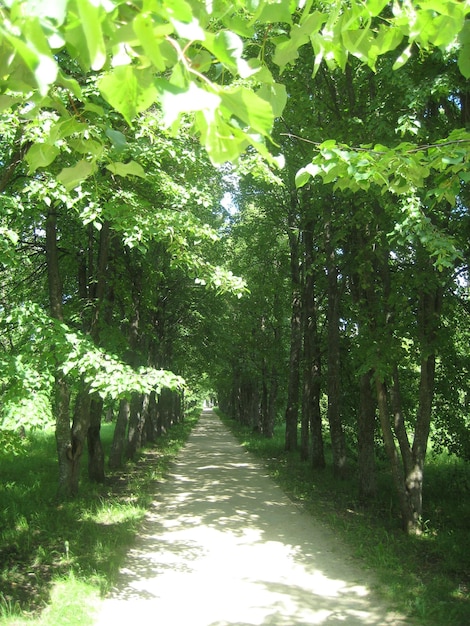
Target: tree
(79,77)
(83,280)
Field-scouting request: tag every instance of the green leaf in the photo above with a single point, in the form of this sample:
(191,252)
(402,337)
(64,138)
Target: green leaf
(40,155)
(358,42)
(43,67)
(301,178)
(70,84)
(117,139)
(287,51)
(176,101)
(94,108)
(403,58)
(126,169)
(152,39)
(54,11)
(190,30)
(276,95)
(228,48)
(305,173)
(9,234)
(179,10)
(71,177)
(375,7)
(65,128)
(90,18)
(129,90)
(222,142)
(6,102)
(250,108)
(274,11)
(464,53)
(87,146)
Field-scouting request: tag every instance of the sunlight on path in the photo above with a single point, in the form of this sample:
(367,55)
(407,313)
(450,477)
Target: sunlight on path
(223,546)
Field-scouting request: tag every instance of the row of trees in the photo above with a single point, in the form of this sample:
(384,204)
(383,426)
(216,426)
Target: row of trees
(120,268)
(372,246)
(113,116)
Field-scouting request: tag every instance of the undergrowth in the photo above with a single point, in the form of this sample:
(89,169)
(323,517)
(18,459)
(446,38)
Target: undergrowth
(52,550)
(426,577)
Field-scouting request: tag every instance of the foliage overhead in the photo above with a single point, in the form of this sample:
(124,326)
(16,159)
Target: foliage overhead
(208,59)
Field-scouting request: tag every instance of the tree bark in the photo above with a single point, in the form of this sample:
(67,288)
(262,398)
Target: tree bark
(293,392)
(16,159)
(365,252)
(117,446)
(311,433)
(81,422)
(96,472)
(264,419)
(268,428)
(338,442)
(151,423)
(164,412)
(392,453)
(409,481)
(96,457)
(137,419)
(307,320)
(61,404)
(366,439)
(429,310)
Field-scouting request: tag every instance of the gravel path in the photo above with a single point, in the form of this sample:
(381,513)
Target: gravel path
(223,546)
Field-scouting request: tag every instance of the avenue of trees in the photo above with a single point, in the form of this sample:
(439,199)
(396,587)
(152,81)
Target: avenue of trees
(332,289)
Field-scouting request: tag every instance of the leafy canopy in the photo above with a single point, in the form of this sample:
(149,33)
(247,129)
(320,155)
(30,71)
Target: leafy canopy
(207,59)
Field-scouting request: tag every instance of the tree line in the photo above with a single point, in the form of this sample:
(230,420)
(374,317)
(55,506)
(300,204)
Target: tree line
(340,131)
(377,346)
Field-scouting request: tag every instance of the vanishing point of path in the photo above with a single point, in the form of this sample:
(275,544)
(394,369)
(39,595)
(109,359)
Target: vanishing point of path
(223,546)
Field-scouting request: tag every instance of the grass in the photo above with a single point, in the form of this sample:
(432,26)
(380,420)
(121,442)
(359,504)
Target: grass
(58,558)
(427,577)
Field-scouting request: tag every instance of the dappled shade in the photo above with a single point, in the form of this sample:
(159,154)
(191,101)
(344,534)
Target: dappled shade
(222,545)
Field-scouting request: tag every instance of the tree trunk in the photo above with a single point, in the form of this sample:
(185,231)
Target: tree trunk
(15,160)
(293,392)
(268,430)
(117,446)
(429,311)
(151,423)
(366,439)
(392,453)
(307,306)
(81,421)
(96,471)
(338,442)
(137,419)
(316,426)
(98,287)
(61,391)
(311,446)
(164,412)
(264,421)
(409,474)
(61,407)
(96,291)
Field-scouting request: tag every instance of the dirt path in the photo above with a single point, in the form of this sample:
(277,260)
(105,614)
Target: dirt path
(223,546)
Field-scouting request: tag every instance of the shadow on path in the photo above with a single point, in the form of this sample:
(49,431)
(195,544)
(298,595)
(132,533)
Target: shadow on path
(223,546)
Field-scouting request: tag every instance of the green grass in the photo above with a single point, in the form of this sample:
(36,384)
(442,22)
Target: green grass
(58,558)
(427,577)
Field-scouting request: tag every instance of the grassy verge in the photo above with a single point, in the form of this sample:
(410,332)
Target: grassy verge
(427,578)
(57,559)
